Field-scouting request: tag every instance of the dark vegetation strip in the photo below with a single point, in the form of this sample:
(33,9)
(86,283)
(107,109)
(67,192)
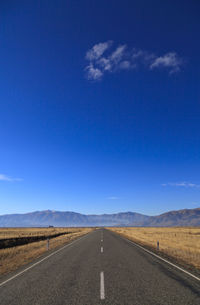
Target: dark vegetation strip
(19,241)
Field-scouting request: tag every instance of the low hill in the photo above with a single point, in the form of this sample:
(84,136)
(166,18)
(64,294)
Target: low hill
(186,217)
(56,218)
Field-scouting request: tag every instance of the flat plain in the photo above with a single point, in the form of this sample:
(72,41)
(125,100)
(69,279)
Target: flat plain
(79,273)
(13,257)
(28,232)
(180,243)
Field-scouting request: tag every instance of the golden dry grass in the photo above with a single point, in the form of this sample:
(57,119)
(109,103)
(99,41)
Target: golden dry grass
(12,258)
(28,232)
(183,244)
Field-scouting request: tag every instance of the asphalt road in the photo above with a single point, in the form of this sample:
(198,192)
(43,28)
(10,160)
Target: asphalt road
(100,268)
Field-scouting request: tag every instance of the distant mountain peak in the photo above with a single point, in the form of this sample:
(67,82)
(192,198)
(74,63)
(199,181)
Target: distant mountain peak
(185,217)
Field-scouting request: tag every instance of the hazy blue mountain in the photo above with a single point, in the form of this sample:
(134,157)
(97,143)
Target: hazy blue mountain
(56,218)
(45,218)
(186,217)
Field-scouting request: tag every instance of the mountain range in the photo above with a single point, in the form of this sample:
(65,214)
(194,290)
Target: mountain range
(186,217)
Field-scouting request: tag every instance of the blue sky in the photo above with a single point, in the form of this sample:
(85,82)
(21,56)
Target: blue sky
(99,106)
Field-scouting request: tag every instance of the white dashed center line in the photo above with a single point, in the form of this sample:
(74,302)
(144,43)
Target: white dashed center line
(102,288)
(101,249)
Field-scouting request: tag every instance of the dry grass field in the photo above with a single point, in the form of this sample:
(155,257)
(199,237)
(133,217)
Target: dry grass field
(183,244)
(12,258)
(28,232)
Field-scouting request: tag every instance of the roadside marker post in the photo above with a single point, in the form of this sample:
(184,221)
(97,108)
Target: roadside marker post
(158,245)
(48,244)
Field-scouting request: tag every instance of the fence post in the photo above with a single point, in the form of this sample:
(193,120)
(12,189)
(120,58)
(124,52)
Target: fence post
(47,243)
(158,245)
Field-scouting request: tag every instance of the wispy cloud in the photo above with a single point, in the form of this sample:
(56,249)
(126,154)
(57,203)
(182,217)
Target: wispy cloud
(102,58)
(93,73)
(97,50)
(118,54)
(169,60)
(112,198)
(182,184)
(195,203)
(9,179)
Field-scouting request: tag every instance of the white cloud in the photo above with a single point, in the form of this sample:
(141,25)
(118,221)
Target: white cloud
(124,58)
(169,60)
(105,63)
(125,65)
(97,50)
(7,178)
(137,54)
(182,184)
(195,203)
(93,73)
(117,55)
(112,198)
(143,57)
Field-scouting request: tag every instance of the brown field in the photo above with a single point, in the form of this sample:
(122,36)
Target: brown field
(12,258)
(182,244)
(27,232)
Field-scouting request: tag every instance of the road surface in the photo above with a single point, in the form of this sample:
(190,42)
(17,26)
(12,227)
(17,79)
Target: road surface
(99,268)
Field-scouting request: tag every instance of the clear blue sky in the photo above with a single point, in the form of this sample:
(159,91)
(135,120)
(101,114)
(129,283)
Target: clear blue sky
(99,105)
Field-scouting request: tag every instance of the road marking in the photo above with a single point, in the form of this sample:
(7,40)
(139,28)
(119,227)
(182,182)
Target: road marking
(43,259)
(101,249)
(102,240)
(162,259)
(102,288)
